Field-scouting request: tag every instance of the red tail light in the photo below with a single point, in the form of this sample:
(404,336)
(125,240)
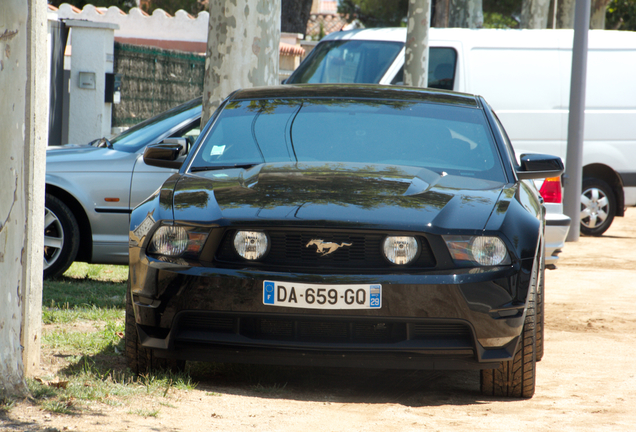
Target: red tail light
(551,190)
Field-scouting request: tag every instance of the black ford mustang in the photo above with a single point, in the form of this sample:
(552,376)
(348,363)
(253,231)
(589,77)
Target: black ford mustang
(352,225)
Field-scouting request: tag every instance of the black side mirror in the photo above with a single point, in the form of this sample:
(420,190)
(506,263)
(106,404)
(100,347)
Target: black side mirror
(536,166)
(164,155)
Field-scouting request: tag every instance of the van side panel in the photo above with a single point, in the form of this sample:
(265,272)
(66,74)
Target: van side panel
(524,88)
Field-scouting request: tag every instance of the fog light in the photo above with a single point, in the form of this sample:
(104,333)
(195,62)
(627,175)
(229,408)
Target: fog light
(250,245)
(400,250)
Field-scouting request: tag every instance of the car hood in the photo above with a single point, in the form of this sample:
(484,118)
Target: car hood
(86,158)
(365,196)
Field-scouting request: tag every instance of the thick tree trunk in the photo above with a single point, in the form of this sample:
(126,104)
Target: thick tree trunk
(242,52)
(597,18)
(294,16)
(534,14)
(466,14)
(442,10)
(416,49)
(565,14)
(23,127)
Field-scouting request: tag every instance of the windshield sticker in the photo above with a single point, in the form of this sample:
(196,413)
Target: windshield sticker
(217,150)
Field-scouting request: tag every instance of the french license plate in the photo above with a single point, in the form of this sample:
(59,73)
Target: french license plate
(312,296)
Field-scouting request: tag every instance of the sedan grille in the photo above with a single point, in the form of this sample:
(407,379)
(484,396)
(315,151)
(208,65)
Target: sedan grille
(359,251)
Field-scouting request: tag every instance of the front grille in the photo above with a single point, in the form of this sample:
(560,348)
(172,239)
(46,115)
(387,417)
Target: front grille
(368,331)
(289,249)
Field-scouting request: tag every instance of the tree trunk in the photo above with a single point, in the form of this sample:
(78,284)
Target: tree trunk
(442,10)
(466,14)
(565,14)
(23,127)
(534,14)
(294,16)
(416,49)
(597,19)
(242,52)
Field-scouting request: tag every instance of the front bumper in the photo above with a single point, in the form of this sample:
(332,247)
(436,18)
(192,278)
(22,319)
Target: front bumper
(466,319)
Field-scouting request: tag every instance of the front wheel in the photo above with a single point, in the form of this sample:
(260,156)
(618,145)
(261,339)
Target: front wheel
(61,237)
(517,377)
(598,207)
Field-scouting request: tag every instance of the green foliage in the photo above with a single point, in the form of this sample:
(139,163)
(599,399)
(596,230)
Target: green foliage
(498,21)
(376,13)
(621,15)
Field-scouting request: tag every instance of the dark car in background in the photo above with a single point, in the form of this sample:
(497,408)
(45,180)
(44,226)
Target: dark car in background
(349,225)
(91,189)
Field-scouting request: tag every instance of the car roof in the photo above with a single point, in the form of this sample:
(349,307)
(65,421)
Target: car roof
(356,91)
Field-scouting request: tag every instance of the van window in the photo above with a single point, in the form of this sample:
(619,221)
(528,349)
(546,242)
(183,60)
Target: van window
(441,69)
(349,61)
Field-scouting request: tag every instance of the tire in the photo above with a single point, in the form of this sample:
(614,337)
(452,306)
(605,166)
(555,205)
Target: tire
(516,378)
(540,310)
(142,360)
(61,237)
(598,206)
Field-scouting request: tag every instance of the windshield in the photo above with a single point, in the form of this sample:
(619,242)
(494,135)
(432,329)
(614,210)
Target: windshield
(349,61)
(444,138)
(152,130)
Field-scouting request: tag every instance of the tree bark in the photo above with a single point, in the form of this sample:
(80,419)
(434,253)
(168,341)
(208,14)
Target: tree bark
(597,19)
(565,14)
(442,10)
(466,14)
(295,15)
(534,14)
(416,49)
(23,127)
(242,51)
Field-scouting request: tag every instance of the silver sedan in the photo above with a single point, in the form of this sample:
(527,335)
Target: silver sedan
(91,189)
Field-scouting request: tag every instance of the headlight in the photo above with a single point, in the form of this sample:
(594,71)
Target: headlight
(176,240)
(250,245)
(481,250)
(400,250)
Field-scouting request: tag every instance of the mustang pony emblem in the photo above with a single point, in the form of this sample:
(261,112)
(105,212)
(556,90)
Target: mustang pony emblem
(325,248)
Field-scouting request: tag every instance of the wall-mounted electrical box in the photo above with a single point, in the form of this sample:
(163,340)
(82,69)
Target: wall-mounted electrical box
(87,80)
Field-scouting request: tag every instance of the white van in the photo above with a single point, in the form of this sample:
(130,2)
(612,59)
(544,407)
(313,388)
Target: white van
(525,76)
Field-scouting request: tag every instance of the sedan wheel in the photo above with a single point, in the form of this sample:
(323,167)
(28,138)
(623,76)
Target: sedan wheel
(598,207)
(61,237)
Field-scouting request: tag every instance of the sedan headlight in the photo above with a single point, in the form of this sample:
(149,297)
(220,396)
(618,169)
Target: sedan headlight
(480,250)
(251,245)
(174,241)
(400,250)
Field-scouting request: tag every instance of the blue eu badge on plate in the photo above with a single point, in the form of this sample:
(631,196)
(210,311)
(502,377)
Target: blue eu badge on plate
(268,292)
(375,295)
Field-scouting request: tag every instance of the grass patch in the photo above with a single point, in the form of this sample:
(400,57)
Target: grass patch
(97,272)
(145,413)
(106,338)
(87,308)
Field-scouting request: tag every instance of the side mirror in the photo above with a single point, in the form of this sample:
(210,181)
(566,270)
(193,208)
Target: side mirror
(537,166)
(178,141)
(164,155)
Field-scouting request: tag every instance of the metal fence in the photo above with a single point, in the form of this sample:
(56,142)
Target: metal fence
(154,80)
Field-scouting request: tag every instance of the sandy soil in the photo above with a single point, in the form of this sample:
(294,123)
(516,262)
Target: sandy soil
(586,381)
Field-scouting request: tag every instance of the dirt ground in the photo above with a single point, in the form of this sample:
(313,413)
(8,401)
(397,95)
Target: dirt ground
(586,381)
